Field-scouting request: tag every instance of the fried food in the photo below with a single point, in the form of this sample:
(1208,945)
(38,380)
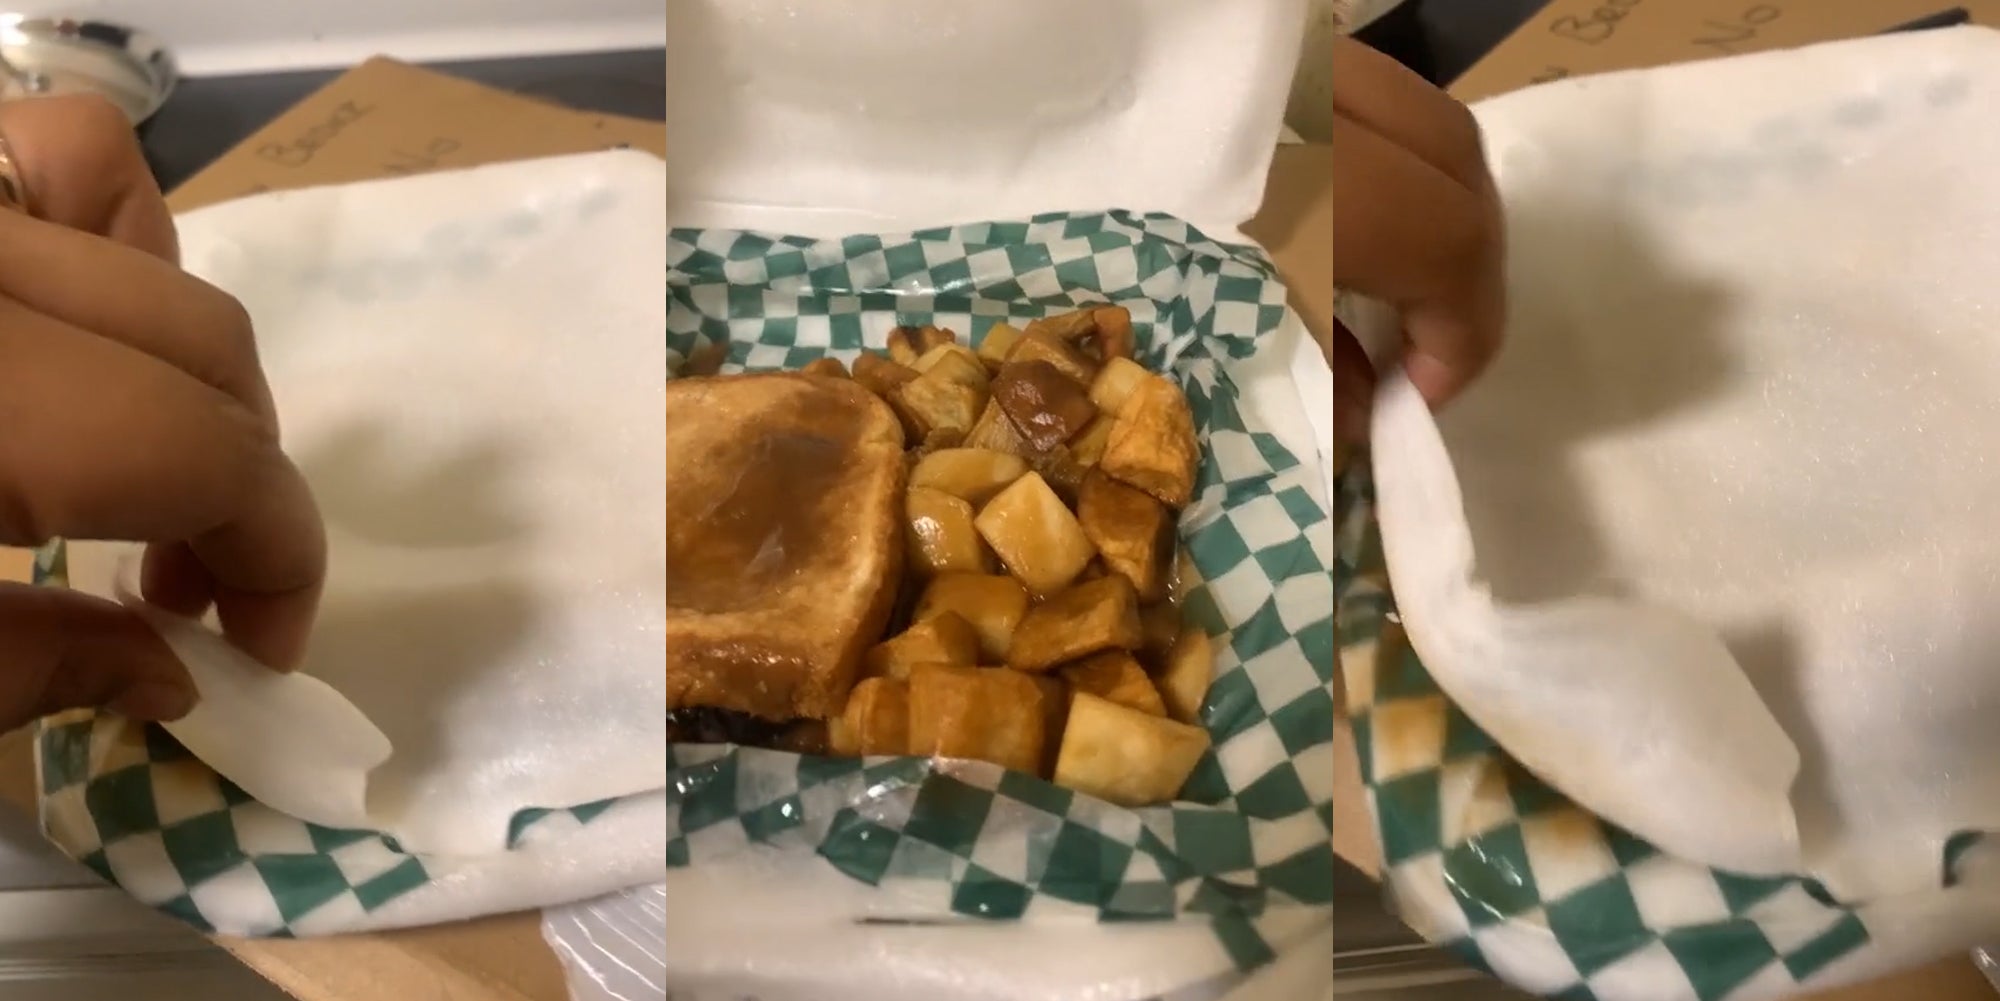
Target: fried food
(876,720)
(933,401)
(882,375)
(1159,630)
(1124,756)
(1072,327)
(1037,343)
(1115,676)
(1016,498)
(1132,531)
(1055,716)
(997,344)
(993,604)
(1189,670)
(995,433)
(829,367)
(957,363)
(978,713)
(1115,383)
(971,474)
(1114,338)
(941,536)
(784,541)
(944,638)
(1035,535)
(1046,407)
(1096,615)
(1153,445)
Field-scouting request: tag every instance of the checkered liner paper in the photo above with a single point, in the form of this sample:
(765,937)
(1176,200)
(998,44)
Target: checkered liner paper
(136,807)
(1251,830)
(1484,858)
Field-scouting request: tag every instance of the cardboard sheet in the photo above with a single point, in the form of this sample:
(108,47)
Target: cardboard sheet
(1577,37)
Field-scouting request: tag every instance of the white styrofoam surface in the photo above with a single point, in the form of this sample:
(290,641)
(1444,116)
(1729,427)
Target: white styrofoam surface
(246,36)
(1751,384)
(887,115)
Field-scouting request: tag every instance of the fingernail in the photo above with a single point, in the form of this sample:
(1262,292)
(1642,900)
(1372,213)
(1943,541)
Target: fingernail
(1435,381)
(154,702)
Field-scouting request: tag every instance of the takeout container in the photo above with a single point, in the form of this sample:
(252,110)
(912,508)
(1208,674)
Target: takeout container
(836,171)
(1488,859)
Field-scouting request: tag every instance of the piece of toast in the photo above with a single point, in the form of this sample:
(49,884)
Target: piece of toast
(784,540)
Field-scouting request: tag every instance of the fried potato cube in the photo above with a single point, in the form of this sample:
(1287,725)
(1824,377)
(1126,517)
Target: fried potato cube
(1091,617)
(929,337)
(1038,344)
(977,713)
(998,342)
(973,474)
(940,536)
(902,345)
(1159,630)
(1114,337)
(995,433)
(1035,535)
(1153,447)
(937,441)
(1115,382)
(1189,671)
(1087,448)
(876,720)
(993,604)
(944,638)
(1114,675)
(1123,756)
(1074,325)
(707,359)
(954,363)
(1055,715)
(1062,471)
(933,402)
(881,376)
(1047,407)
(1133,532)
(830,367)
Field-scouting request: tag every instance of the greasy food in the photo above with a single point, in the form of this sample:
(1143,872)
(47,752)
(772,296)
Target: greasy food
(1032,541)
(784,541)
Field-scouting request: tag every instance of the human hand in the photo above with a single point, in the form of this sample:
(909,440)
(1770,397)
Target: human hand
(132,407)
(1417,224)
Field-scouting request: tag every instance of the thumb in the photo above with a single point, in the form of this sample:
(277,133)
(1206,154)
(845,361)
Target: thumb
(64,650)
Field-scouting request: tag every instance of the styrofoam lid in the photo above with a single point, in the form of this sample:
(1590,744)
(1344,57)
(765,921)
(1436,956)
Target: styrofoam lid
(874,115)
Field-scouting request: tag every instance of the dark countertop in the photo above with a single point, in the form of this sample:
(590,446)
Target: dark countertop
(207,116)
(1443,38)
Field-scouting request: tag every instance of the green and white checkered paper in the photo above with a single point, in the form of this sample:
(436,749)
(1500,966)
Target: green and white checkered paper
(137,808)
(1482,857)
(1251,831)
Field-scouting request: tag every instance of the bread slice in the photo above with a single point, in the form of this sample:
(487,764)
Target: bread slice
(784,540)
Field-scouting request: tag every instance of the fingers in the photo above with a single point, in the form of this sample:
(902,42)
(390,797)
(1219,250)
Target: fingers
(66,650)
(1412,235)
(87,179)
(1384,97)
(138,300)
(103,442)
(83,168)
